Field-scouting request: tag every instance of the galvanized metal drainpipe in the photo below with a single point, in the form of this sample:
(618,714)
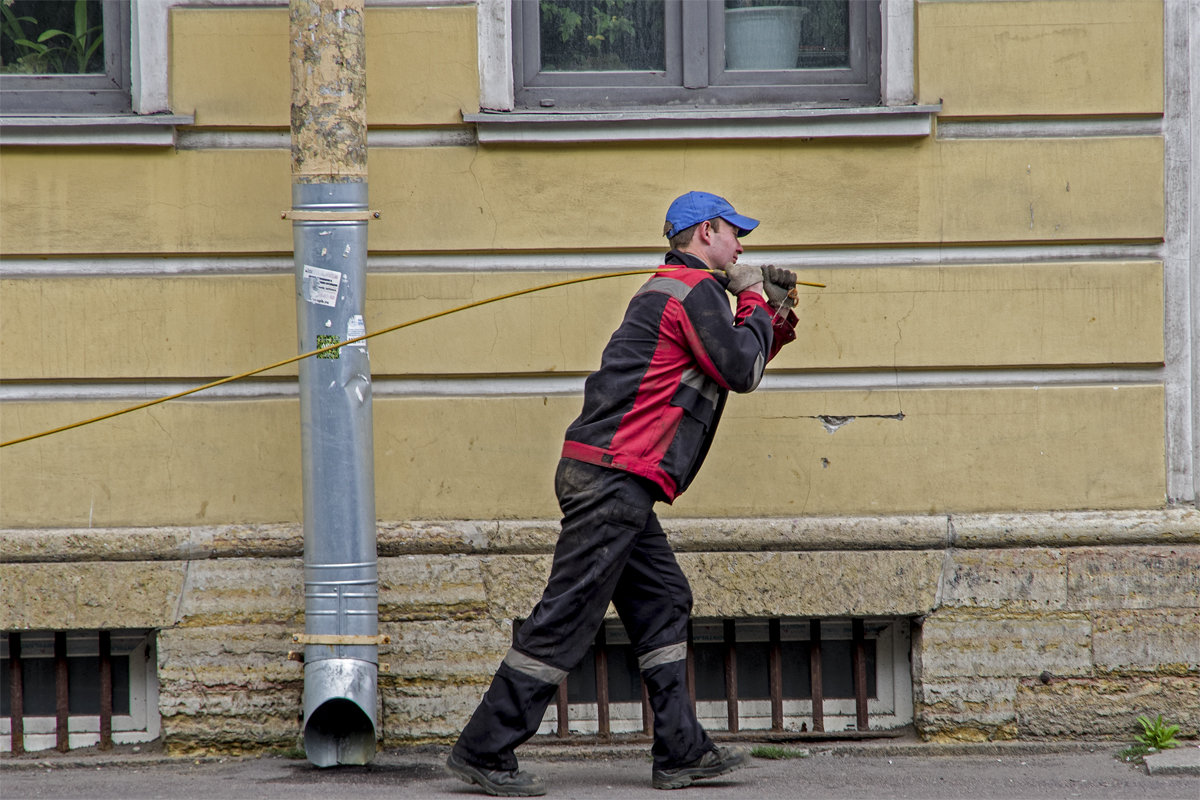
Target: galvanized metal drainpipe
(329,228)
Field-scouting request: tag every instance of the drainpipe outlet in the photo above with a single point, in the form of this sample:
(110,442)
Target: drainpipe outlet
(339,711)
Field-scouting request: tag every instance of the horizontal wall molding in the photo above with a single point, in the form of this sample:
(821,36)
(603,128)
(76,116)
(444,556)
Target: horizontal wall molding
(1162,527)
(489,128)
(516,127)
(809,258)
(563,385)
(1073,127)
(221,139)
(125,130)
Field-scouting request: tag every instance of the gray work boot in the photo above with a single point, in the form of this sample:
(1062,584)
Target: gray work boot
(497,782)
(713,763)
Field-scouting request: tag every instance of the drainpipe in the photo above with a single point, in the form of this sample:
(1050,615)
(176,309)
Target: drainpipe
(329,229)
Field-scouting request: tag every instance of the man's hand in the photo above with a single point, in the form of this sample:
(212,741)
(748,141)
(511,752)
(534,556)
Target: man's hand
(742,277)
(778,284)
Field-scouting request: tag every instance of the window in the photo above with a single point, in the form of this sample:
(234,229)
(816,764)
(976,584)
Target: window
(604,54)
(60,676)
(64,57)
(752,674)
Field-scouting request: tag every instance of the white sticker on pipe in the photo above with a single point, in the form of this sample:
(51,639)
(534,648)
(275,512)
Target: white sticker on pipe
(355,327)
(321,286)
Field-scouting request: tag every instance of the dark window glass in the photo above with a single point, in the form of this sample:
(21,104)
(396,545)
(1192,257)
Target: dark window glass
(83,686)
(602,35)
(51,37)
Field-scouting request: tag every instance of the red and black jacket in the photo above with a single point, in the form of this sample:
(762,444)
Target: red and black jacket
(653,406)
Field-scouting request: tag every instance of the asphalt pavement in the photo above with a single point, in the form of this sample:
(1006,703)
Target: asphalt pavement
(1013,771)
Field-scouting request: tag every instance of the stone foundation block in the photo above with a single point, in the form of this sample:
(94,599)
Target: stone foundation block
(450,651)
(978,709)
(1016,580)
(228,654)
(514,584)
(1133,577)
(89,595)
(1166,641)
(242,591)
(819,584)
(415,712)
(233,735)
(430,587)
(957,645)
(1106,707)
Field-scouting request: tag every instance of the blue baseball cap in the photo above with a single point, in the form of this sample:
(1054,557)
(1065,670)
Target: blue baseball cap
(695,207)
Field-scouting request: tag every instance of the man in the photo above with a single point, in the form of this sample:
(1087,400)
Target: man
(649,415)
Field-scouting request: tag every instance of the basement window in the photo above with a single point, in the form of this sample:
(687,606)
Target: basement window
(58,680)
(753,674)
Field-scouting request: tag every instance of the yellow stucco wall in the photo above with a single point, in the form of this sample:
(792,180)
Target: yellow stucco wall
(1041,57)
(200,463)
(1051,57)
(982,447)
(867,318)
(583,197)
(212,50)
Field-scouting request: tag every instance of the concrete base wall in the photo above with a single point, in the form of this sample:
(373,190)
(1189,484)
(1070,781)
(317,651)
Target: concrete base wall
(1025,626)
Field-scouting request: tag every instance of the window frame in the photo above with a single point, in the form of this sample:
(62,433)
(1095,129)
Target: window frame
(108,93)
(695,75)
(142,723)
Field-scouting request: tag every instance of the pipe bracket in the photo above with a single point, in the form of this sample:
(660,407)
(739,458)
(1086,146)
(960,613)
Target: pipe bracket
(330,216)
(340,639)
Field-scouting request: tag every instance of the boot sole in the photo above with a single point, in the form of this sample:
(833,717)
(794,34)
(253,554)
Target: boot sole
(465,773)
(697,774)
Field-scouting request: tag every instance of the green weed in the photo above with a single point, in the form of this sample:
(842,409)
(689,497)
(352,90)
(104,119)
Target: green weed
(774,751)
(1157,734)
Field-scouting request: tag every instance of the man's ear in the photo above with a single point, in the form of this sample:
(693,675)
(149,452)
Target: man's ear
(705,232)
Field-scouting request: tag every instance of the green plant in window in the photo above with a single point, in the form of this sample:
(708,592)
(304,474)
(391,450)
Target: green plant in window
(561,19)
(601,34)
(17,53)
(62,42)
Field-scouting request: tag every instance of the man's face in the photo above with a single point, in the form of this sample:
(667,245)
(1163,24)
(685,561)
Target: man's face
(724,247)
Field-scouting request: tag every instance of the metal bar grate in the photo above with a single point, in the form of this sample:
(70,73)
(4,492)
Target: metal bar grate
(647,714)
(858,660)
(106,691)
(738,669)
(815,680)
(16,683)
(691,667)
(731,690)
(561,702)
(62,696)
(602,704)
(775,673)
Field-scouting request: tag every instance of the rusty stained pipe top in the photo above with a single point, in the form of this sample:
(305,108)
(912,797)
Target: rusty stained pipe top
(329,91)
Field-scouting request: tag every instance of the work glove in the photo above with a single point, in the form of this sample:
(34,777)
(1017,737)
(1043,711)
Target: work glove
(779,284)
(742,277)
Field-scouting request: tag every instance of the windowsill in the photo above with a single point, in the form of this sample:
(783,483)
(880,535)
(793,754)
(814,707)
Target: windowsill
(494,127)
(121,130)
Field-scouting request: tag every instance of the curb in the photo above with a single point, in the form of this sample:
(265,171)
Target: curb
(1183,760)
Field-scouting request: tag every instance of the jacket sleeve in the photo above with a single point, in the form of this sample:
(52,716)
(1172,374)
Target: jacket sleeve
(784,330)
(731,348)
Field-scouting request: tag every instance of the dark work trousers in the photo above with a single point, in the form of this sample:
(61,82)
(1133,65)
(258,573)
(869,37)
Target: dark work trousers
(611,548)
